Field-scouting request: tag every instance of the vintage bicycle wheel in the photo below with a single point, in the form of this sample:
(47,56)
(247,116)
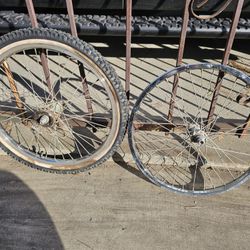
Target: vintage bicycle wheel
(201,145)
(62,107)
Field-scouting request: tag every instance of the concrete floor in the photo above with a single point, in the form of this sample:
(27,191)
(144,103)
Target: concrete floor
(113,206)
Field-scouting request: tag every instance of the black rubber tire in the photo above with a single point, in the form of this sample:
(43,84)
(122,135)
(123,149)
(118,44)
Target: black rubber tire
(101,63)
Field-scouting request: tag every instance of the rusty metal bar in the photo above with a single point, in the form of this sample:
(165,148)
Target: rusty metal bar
(226,55)
(72,22)
(73,29)
(44,60)
(182,43)
(183,35)
(32,14)
(232,32)
(201,4)
(162,125)
(13,86)
(128,45)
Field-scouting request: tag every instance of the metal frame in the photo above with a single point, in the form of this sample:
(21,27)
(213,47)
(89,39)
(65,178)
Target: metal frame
(188,9)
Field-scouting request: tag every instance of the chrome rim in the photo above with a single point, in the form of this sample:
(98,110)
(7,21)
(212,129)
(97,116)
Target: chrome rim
(189,154)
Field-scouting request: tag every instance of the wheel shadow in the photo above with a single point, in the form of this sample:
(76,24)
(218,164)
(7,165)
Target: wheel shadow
(118,159)
(195,170)
(25,222)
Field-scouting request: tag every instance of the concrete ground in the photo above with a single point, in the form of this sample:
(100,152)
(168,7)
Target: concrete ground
(114,206)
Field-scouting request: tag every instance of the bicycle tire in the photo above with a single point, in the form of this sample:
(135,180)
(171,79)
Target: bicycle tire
(188,154)
(85,125)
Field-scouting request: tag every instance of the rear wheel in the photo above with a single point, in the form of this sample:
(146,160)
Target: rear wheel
(62,107)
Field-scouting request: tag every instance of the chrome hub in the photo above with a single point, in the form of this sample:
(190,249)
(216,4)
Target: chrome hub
(44,120)
(49,113)
(197,135)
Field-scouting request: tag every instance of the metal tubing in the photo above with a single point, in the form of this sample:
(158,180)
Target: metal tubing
(44,60)
(46,71)
(73,29)
(128,45)
(86,89)
(32,14)
(183,36)
(225,58)
(180,57)
(201,4)
(232,32)
(72,22)
(162,125)
(13,86)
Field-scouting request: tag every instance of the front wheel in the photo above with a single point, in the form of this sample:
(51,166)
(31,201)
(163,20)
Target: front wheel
(195,139)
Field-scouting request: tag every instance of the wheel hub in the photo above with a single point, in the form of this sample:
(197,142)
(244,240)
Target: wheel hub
(44,120)
(197,135)
(49,114)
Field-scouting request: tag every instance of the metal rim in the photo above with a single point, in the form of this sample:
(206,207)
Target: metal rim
(136,107)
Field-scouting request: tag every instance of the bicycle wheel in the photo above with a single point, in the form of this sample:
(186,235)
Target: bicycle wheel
(201,145)
(62,107)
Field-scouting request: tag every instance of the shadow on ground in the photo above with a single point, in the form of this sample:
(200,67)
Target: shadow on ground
(25,222)
(118,159)
(198,49)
